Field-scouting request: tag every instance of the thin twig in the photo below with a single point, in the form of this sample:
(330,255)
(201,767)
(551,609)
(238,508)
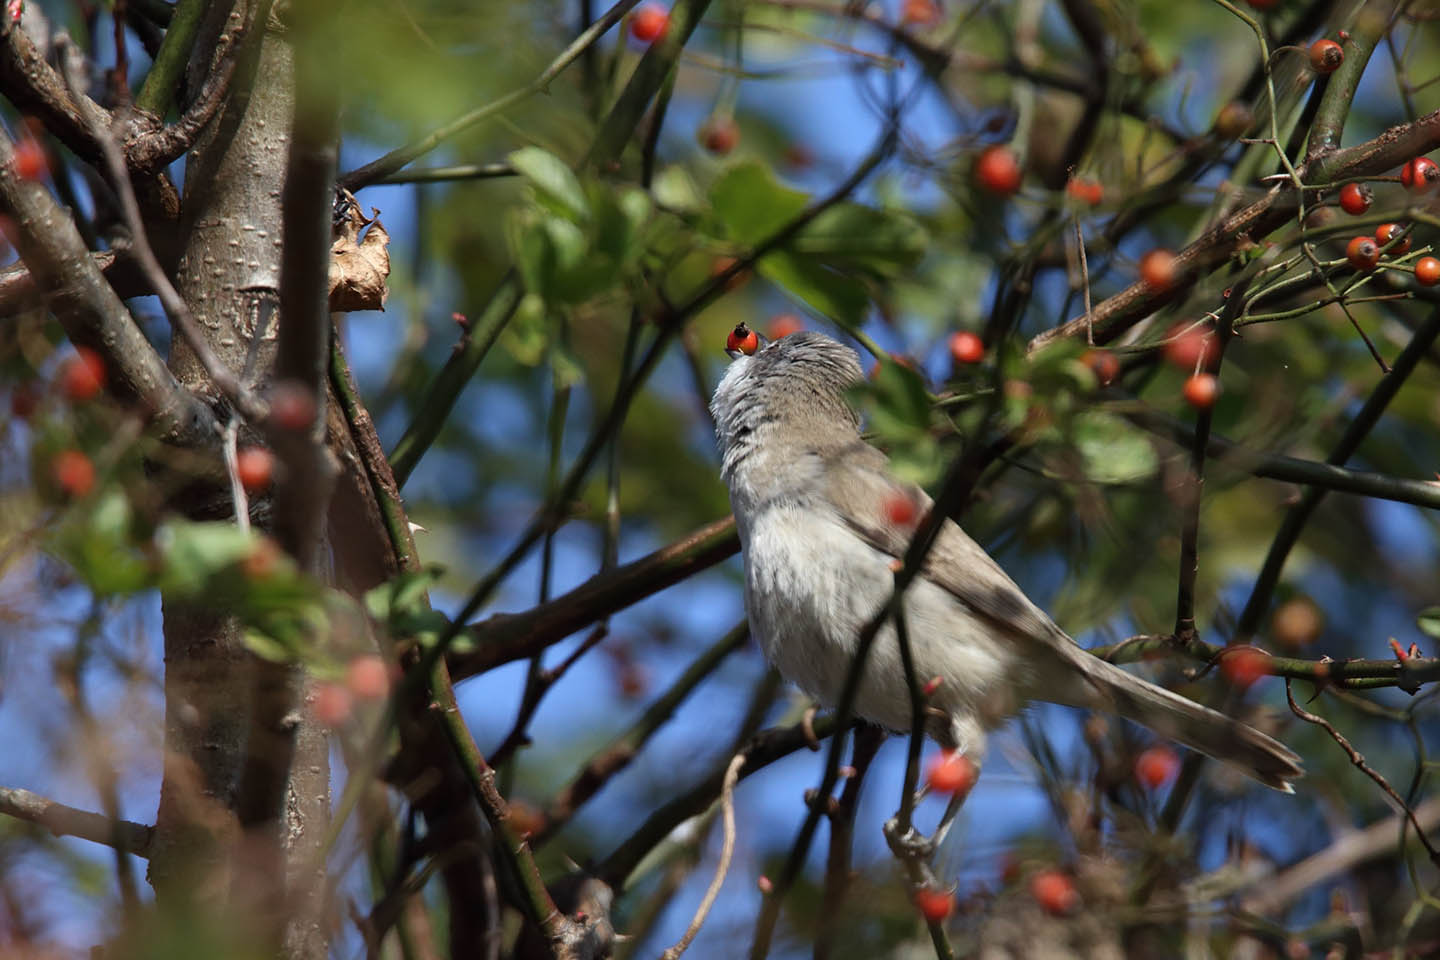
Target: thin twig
(727,848)
(1359,761)
(64,821)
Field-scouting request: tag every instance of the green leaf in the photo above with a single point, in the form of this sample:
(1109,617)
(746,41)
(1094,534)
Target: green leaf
(553,180)
(676,190)
(841,298)
(266,648)
(195,552)
(751,204)
(1428,620)
(1113,450)
(851,234)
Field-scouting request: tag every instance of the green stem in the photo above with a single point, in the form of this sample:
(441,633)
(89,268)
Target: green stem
(158,90)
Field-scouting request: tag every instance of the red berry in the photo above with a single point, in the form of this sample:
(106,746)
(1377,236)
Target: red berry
(934,905)
(254,466)
(998,170)
(1085,190)
(1104,364)
(291,406)
(966,347)
(951,772)
(1355,198)
(784,324)
(1326,56)
(29,162)
(368,677)
(82,376)
(1201,389)
(330,703)
(1427,271)
(1363,253)
(1189,347)
(649,23)
(73,473)
(1156,766)
(799,156)
(1419,174)
(1054,891)
(742,339)
(1387,232)
(720,264)
(1242,666)
(1157,269)
(926,13)
(719,135)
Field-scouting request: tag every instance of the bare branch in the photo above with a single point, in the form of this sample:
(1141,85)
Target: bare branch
(66,821)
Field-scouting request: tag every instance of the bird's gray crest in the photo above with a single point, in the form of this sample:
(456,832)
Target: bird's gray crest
(800,380)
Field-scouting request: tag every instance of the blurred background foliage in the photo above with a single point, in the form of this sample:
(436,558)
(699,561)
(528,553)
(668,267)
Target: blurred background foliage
(1085,513)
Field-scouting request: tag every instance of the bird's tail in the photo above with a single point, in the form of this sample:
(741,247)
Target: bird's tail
(1212,733)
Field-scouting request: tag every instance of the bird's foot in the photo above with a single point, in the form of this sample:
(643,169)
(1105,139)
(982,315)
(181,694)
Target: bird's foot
(908,844)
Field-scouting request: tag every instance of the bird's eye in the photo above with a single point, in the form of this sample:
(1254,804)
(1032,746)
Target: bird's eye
(743,340)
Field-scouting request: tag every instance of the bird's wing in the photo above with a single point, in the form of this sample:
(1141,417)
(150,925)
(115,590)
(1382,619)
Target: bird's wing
(885,512)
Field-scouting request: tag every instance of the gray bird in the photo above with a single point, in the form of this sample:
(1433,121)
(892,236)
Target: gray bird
(822,522)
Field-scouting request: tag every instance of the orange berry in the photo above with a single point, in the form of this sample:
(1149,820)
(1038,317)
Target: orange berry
(254,466)
(925,13)
(784,324)
(29,162)
(368,677)
(1054,891)
(73,473)
(1242,666)
(1427,271)
(950,771)
(82,376)
(1419,174)
(649,24)
(719,135)
(720,264)
(1296,623)
(1156,766)
(1355,198)
(1188,346)
(1363,253)
(1326,56)
(263,560)
(1157,269)
(1201,389)
(330,703)
(1387,232)
(966,347)
(1104,364)
(997,170)
(743,340)
(1085,190)
(934,905)
(1234,120)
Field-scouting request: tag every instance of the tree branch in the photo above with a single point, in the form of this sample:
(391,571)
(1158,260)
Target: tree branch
(66,821)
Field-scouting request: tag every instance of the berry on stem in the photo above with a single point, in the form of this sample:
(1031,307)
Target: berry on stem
(368,677)
(1242,666)
(997,170)
(1389,231)
(1234,120)
(254,466)
(1104,364)
(1201,389)
(966,347)
(1362,252)
(1188,347)
(1420,174)
(82,376)
(934,905)
(719,134)
(1156,766)
(649,23)
(1157,269)
(1355,198)
(1085,190)
(1326,56)
(73,472)
(29,160)
(951,772)
(1427,271)
(1054,891)
(925,13)
(784,324)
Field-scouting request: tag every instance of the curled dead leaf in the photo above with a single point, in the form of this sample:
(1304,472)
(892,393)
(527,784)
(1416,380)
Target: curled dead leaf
(359,265)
